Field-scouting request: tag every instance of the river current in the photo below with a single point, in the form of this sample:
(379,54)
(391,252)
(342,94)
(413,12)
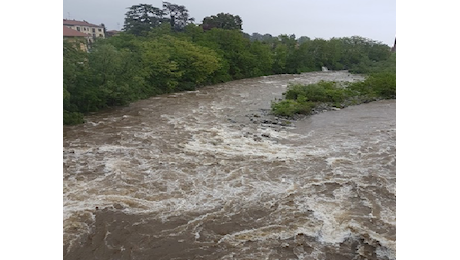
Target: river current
(208,174)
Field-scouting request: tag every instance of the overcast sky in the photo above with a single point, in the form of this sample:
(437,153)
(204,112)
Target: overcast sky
(374,19)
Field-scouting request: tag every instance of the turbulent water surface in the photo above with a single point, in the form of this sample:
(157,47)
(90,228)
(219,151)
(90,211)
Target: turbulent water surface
(207,174)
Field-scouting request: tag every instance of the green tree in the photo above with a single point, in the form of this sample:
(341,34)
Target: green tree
(285,60)
(115,74)
(193,33)
(160,71)
(334,51)
(292,53)
(305,61)
(263,60)
(318,50)
(74,71)
(141,18)
(358,53)
(234,49)
(194,63)
(280,54)
(256,37)
(178,16)
(223,21)
(303,39)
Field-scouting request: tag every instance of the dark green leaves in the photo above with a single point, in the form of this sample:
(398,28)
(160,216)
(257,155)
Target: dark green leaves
(142,18)
(223,21)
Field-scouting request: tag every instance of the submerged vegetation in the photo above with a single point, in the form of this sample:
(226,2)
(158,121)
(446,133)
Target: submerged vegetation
(162,51)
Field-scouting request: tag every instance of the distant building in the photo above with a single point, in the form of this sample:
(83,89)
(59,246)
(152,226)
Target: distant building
(94,31)
(112,33)
(78,39)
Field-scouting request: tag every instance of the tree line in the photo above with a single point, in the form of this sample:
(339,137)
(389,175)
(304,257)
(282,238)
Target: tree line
(161,51)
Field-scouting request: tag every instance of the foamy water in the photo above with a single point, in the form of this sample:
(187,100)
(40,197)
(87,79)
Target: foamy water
(190,175)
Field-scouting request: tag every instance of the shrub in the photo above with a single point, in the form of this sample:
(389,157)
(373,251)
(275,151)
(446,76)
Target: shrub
(72,118)
(383,84)
(290,107)
(377,85)
(301,99)
(322,91)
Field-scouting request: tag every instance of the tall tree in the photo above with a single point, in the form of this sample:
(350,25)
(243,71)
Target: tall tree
(141,18)
(177,15)
(223,21)
(256,37)
(303,39)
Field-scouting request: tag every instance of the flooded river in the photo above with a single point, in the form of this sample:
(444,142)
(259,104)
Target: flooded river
(207,174)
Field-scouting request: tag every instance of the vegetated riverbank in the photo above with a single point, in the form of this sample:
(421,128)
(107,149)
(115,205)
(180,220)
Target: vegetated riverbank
(328,95)
(123,69)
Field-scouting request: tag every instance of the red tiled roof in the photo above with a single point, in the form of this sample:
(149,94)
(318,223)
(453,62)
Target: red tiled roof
(80,23)
(73,33)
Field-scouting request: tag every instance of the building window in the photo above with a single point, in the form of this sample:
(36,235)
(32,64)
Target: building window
(78,28)
(84,29)
(99,30)
(94,30)
(100,35)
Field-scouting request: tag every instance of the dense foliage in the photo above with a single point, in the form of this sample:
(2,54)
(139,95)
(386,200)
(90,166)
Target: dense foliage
(161,51)
(223,21)
(142,18)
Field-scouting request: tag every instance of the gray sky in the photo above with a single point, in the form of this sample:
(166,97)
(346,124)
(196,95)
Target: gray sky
(374,19)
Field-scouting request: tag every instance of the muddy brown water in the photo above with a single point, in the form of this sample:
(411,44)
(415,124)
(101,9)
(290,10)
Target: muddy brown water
(207,175)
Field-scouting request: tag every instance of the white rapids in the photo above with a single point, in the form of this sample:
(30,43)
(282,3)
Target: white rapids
(202,172)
